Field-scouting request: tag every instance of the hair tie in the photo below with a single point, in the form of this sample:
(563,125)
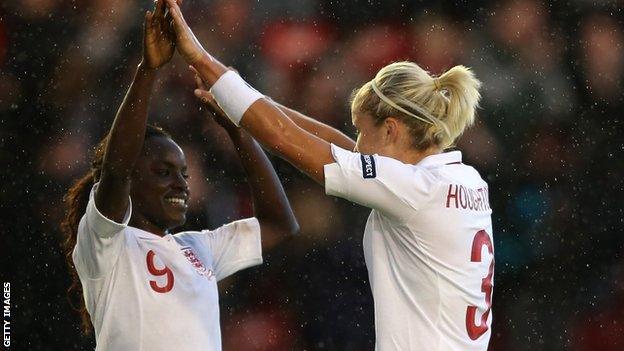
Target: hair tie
(436,82)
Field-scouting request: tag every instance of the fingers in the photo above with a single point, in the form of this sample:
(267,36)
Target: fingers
(167,26)
(159,11)
(167,18)
(207,98)
(175,12)
(171,34)
(172,5)
(204,95)
(147,25)
(201,91)
(194,70)
(198,81)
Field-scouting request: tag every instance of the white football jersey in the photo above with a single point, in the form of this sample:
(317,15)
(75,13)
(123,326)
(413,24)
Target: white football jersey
(146,292)
(427,245)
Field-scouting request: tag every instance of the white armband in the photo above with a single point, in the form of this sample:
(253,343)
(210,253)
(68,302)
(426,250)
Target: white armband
(234,95)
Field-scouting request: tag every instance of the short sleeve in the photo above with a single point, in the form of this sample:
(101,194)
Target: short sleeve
(99,240)
(381,183)
(234,246)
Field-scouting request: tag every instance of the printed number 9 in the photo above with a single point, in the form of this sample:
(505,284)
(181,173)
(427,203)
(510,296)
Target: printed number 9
(475,331)
(159,272)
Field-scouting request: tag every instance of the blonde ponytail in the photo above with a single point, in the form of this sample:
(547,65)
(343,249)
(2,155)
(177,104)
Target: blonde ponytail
(436,110)
(462,90)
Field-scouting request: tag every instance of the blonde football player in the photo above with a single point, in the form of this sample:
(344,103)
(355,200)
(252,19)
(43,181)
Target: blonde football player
(428,240)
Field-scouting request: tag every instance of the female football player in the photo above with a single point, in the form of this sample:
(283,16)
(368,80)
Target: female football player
(144,287)
(428,240)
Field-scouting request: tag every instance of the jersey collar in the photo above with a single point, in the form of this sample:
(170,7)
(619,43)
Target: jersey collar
(444,158)
(151,236)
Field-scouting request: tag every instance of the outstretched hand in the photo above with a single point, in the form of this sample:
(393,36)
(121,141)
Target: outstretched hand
(209,101)
(188,45)
(159,37)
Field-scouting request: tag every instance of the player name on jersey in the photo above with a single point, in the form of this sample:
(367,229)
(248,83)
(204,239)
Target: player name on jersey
(463,197)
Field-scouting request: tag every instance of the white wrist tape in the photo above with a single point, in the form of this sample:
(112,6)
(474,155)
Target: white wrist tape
(234,95)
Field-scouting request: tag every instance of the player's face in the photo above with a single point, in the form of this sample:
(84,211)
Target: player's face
(160,190)
(369,134)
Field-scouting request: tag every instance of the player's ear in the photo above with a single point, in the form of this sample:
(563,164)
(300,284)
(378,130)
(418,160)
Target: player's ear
(391,129)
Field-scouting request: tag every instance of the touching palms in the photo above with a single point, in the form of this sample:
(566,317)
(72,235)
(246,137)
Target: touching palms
(159,37)
(188,45)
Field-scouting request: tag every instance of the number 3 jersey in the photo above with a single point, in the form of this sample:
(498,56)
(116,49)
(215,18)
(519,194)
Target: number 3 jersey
(146,292)
(427,246)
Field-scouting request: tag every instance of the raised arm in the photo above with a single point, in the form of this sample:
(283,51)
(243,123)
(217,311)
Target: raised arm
(263,120)
(309,124)
(271,207)
(321,130)
(128,131)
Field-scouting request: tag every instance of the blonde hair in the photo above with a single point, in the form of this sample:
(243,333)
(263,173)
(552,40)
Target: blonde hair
(437,110)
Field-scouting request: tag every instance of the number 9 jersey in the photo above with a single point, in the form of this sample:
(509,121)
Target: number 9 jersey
(427,245)
(146,292)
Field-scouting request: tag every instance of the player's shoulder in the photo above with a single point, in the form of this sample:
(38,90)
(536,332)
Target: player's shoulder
(189,237)
(471,174)
(189,234)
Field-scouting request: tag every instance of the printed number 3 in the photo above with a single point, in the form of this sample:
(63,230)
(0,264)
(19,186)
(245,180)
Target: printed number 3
(159,272)
(475,331)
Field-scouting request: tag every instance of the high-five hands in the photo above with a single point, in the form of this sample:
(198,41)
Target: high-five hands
(206,69)
(188,45)
(159,37)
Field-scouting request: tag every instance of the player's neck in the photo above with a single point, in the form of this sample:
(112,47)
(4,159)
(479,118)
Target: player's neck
(143,224)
